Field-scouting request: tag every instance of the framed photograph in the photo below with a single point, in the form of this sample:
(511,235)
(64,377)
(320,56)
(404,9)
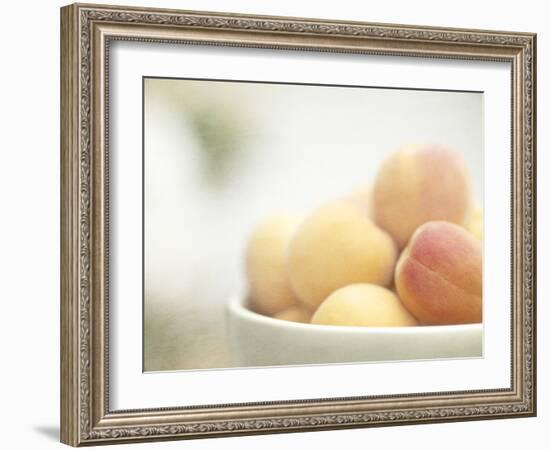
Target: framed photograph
(275,224)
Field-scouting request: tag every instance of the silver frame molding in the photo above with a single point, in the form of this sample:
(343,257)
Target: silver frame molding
(86,33)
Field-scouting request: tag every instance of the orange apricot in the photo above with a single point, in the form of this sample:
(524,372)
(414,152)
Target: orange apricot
(265,262)
(418,184)
(439,275)
(337,245)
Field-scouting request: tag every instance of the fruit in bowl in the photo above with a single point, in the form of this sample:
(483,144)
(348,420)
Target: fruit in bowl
(336,245)
(265,261)
(438,276)
(405,254)
(363,304)
(418,184)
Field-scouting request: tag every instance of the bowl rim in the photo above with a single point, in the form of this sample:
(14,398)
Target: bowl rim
(236,308)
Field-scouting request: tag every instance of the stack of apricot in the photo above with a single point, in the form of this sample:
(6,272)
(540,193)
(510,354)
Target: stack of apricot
(405,252)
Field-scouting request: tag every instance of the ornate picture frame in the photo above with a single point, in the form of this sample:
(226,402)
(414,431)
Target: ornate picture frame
(87,31)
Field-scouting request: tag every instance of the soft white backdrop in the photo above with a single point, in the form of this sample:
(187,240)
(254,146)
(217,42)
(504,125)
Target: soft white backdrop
(29,177)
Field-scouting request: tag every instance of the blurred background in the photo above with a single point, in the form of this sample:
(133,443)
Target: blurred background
(219,156)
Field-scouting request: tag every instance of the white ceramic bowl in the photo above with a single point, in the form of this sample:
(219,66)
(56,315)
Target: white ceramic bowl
(258,340)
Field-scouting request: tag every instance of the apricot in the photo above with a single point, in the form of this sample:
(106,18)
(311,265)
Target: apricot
(417,184)
(438,276)
(294,314)
(265,261)
(335,246)
(474,223)
(363,304)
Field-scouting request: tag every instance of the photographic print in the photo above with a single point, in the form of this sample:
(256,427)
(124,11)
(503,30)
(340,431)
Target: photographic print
(289,224)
